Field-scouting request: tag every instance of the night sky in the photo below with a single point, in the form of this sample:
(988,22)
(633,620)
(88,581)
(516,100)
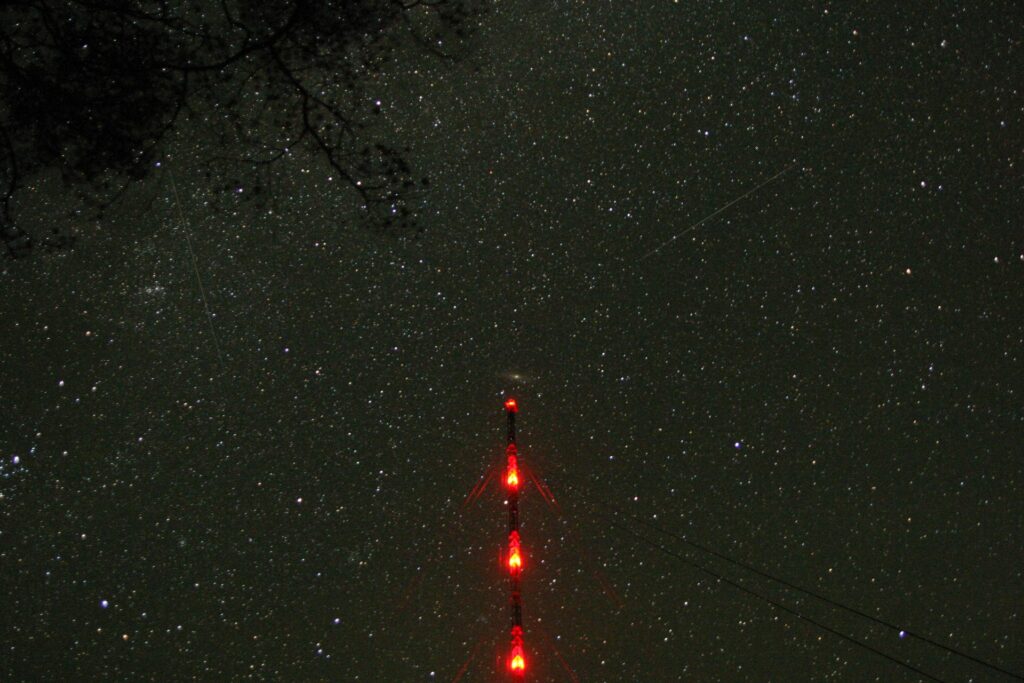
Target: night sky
(823,381)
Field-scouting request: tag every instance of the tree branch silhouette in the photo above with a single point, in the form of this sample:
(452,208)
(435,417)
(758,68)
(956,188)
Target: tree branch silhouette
(93,89)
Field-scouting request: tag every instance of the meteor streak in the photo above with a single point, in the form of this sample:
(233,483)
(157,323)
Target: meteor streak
(696,225)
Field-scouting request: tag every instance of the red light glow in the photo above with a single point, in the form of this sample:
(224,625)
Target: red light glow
(517,656)
(511,405)
(512,472)
(515,557)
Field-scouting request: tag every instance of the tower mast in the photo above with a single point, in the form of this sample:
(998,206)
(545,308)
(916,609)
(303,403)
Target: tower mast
(514,559)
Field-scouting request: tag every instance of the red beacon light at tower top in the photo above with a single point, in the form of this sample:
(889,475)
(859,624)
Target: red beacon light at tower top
(511,405)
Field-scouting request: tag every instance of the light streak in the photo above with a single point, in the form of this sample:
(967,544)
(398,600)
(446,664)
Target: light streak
(696,225)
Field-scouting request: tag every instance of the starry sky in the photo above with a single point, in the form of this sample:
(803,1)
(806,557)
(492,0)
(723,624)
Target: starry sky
(822,381)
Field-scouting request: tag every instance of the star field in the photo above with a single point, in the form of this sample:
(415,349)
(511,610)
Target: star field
(822,381)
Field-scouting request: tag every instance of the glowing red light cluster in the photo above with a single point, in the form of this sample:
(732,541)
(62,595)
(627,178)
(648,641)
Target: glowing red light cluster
(515,555)
(512,470)
(517,656)
(511,405)
(512,479)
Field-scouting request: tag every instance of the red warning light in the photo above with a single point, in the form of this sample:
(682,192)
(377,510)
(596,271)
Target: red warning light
(511,405)
(512,473)
(518,663)
(515,557)
(517,656)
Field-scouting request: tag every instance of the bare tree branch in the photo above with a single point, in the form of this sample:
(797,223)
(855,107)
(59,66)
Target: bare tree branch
(92,89)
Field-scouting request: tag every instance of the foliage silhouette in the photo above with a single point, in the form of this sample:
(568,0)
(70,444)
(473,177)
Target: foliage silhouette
(91,89)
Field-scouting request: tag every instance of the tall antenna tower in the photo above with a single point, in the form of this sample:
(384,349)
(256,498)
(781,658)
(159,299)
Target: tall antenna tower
(514,558)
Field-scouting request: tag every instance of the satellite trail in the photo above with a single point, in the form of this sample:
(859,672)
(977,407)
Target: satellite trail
(696,225)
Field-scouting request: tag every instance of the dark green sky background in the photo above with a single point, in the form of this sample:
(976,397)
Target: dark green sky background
(823,381)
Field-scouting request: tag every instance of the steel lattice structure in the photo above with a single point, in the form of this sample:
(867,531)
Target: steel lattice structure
(514,557)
